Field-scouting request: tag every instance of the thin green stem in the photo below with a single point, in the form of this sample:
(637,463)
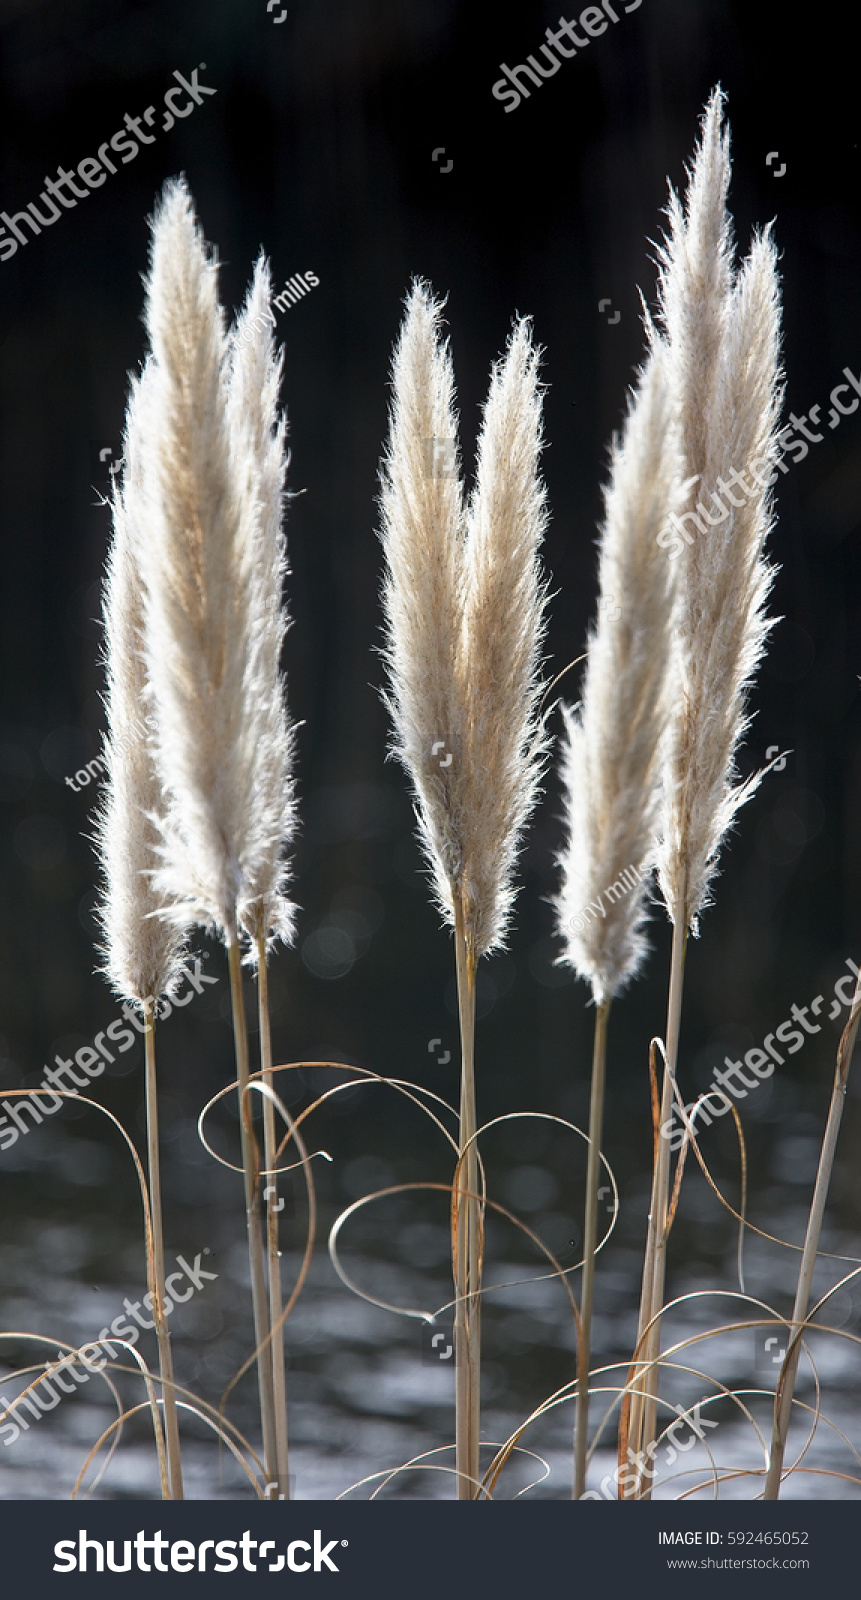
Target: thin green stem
(786,1386)
(251,1179)
(157,1288)
(270,1145)
(590,1236)
(467,1327)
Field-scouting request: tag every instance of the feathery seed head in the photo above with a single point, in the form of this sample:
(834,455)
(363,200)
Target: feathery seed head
(463,601)
(503,634)
(614,746)
(142,953)
(723,334)
(422,533)
(257,436)
(213,464)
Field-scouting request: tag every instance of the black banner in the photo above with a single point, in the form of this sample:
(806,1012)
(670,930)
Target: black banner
(388,1551)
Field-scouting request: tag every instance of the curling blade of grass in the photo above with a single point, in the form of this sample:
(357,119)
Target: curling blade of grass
(157,1289)
(590,1234)
(467,1327)
(644,1406)
(270,1146)
(251,1179)
(786,1385)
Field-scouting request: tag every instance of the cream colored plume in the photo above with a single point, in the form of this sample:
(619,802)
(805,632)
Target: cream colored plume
(257,438)
(613,747)
(724,342)
(142,953)
(463,599)
(503,632)
(213,468)
(422,531)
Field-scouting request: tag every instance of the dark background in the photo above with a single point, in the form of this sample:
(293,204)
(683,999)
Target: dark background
(318,148)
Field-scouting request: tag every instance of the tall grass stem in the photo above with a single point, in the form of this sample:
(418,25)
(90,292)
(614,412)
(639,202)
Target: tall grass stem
(157,1289)
(786,1386)
(251,1179)
(467,1329)
(644,1405)
(590,1235)
(270,1158)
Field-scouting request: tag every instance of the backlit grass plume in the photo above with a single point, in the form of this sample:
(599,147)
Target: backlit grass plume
(613,746)
(464,600)
(213,459)
(503,631)
(464,605)
(722,329)
(723,333)
(257,438)
(423,533)
(611,766)
(142,951)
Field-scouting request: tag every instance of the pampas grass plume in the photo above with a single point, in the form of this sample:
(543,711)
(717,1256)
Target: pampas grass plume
(723,335)
(463,600)
(142,953)
(613,745)
(722,330)
(422,531)
(257,436)
(213,461)
(503,634)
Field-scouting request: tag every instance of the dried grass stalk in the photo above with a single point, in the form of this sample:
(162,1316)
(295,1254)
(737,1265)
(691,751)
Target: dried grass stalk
(464,604)
(723,335)
(611,767)
(213,457)
(807,1266)
(142,953)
